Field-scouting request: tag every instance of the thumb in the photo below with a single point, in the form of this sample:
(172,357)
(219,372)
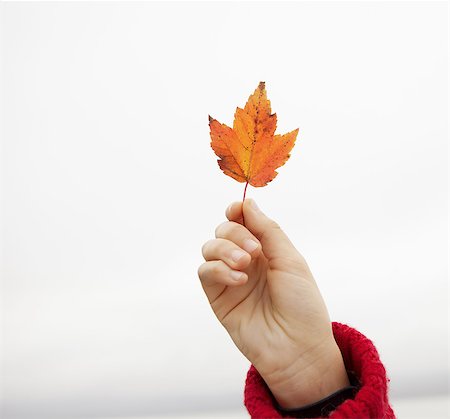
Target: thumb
(275,243)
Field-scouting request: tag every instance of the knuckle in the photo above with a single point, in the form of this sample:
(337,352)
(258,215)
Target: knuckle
(222,230)
(206,247)
(216,269)
(201,271)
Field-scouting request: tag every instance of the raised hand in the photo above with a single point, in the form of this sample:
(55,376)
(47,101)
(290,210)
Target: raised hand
(264,294)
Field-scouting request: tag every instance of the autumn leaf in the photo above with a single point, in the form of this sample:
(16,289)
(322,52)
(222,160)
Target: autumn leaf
(250,151)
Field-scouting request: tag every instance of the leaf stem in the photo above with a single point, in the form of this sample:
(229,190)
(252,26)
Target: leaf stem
(243,199)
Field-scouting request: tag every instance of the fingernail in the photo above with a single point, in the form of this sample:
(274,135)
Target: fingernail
(237,254)
(250,245)
(254,206)
(236,275)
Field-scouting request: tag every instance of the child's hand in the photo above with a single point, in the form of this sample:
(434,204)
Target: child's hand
(264,294)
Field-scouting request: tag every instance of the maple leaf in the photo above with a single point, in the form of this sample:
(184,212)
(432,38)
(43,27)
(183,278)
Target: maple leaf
(250,151)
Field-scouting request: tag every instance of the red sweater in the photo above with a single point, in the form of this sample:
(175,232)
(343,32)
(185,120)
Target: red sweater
(361,357)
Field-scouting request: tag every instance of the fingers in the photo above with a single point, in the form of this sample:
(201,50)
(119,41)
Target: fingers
(217,272)
(227,255)
(228,252)
(234,212)
(239,235)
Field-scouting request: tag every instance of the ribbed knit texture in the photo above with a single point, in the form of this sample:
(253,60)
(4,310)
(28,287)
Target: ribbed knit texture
(361,357)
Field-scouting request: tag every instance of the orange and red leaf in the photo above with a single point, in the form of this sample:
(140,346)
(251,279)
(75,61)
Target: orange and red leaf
(250,151)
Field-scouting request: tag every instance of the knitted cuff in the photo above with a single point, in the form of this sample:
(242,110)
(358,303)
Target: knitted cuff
(360,356)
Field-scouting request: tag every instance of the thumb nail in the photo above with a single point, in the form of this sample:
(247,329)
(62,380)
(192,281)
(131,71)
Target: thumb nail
(254,206)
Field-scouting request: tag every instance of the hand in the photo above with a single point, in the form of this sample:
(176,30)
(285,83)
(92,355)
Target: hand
(264,294)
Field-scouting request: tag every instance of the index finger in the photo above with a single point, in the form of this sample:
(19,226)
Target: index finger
(234,212)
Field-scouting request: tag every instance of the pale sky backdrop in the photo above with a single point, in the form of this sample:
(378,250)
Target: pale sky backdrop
(110,188)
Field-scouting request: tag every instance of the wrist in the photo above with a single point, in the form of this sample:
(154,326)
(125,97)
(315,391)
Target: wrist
(312,377)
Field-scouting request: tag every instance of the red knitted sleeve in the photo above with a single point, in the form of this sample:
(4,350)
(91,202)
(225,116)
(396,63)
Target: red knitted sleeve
(361,357)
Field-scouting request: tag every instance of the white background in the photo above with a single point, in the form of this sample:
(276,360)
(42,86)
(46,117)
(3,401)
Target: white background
(110,187)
